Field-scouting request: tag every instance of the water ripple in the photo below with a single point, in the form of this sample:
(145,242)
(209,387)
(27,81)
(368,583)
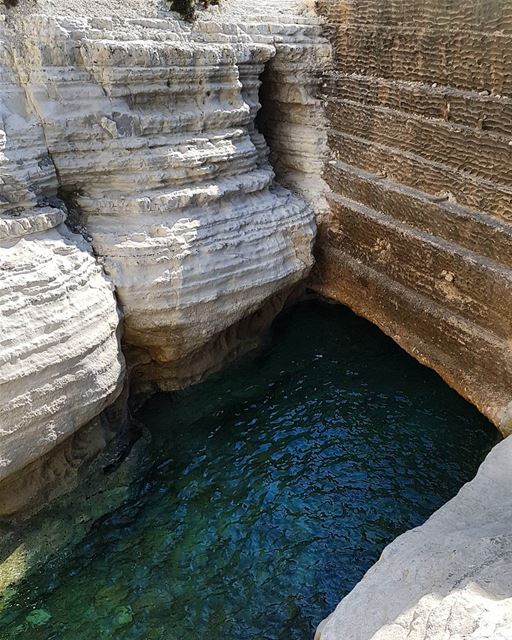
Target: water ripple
(275,486)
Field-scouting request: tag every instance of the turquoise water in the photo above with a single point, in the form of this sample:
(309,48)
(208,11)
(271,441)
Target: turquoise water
(274,486)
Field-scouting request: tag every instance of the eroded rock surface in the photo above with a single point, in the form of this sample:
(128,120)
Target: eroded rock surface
(419,235)
(449,579)
(151,128)
(141,133)
(418,240)
(60,357)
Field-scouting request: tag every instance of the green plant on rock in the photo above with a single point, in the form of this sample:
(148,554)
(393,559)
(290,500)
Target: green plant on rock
(187,8)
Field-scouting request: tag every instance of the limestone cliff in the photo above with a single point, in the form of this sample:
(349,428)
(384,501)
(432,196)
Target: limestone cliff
(142,133)
(418,240)
(419,233)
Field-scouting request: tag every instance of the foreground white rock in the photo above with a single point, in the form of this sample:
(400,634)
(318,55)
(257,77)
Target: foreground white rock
(450,579)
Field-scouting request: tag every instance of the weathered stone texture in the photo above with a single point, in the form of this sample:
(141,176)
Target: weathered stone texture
(143,131)
(419,234)
(449,579)
(151,128)
(60,356)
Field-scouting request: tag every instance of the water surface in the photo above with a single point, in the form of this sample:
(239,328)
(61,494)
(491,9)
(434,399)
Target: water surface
(274,486)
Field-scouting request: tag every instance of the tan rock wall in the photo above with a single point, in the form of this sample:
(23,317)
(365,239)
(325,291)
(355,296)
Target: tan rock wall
(419,234)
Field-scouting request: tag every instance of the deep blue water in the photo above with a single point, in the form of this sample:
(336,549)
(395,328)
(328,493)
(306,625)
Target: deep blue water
(274,486)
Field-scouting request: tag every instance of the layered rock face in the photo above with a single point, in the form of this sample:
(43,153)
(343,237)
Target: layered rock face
(451,578)
(151,129)
(60,358)
(143,131)
(419,233)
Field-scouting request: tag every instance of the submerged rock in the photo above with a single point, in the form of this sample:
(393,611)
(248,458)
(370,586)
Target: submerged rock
(38,617)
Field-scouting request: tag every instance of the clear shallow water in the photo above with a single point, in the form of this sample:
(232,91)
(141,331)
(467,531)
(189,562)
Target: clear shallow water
(275,486)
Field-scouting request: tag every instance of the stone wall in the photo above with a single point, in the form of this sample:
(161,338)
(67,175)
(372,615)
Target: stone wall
(419,235)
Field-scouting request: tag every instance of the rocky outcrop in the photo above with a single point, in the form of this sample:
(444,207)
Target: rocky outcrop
(292,118)
(419,234)
(60,358)
(153,138)
(451,578)
(142,134)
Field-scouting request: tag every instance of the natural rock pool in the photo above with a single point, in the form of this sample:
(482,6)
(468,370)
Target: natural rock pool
(273,487)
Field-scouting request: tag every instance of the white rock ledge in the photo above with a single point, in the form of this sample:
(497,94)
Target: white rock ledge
(450,579)
(60,360)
